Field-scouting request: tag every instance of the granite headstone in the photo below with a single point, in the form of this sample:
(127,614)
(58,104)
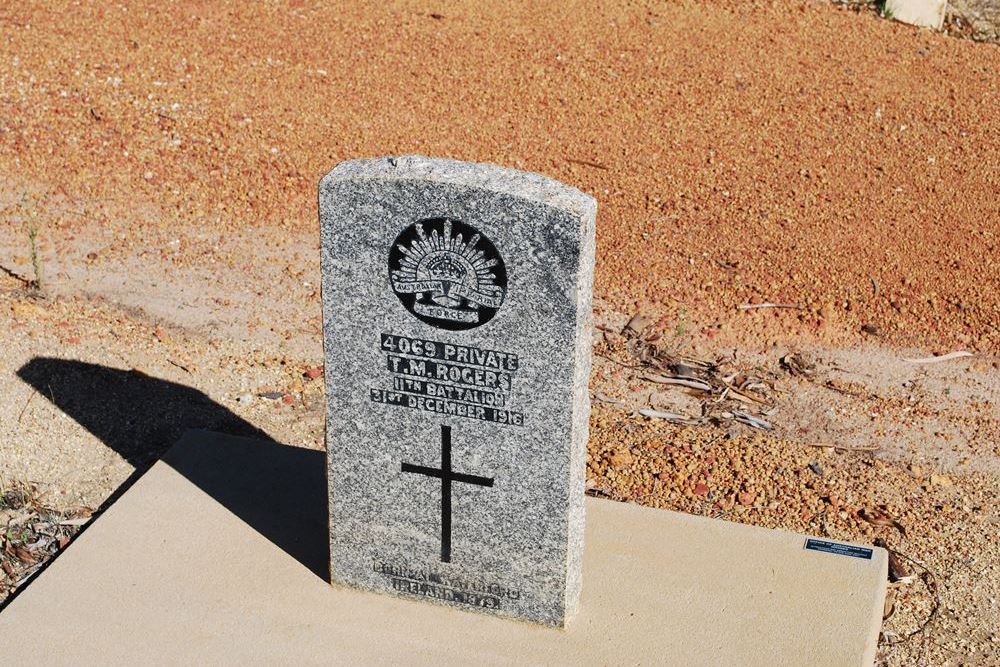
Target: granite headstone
(456,314)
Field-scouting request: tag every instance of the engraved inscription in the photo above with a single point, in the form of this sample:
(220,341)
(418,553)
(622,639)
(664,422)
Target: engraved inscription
(428,583)
(476,377)
(449,392)
(450,379)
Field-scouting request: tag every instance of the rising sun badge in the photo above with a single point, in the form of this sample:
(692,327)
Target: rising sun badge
(447,274)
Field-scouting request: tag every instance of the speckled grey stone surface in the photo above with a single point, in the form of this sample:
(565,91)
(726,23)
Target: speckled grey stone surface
(466,335)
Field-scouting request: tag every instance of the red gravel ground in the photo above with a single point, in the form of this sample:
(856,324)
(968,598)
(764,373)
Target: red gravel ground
(741,151)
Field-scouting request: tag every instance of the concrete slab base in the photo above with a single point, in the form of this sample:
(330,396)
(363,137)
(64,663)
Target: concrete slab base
(217,556)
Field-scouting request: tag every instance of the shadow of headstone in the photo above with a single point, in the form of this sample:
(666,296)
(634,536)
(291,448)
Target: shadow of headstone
(278,490)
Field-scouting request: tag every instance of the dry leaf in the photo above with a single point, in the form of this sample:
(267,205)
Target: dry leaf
(604,398)
(659,414)
(898,571)
(679,381)
(636,325)
(880,517)
(890,604)
(74,522)
(24,555)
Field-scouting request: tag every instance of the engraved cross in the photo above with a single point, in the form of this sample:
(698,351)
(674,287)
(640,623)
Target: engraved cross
(447,476)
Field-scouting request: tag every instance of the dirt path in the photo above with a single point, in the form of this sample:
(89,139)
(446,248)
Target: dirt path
(740,153)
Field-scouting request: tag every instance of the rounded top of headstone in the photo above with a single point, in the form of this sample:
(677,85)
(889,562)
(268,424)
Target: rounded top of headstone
(482,175)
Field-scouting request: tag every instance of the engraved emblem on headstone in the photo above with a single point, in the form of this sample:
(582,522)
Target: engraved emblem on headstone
(447,274)
(447,476)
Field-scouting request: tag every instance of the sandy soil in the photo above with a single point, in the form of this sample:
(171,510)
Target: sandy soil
(750,152)
(741,153)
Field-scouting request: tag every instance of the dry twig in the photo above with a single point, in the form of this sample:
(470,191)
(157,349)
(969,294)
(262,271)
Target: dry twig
(20,415)
(944,357)
(21,279)
(669,416)
(841,447)
(750,420)
(753,306)
(683,382)
(587,163)
(174,363)
(620,363)
(745,397)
